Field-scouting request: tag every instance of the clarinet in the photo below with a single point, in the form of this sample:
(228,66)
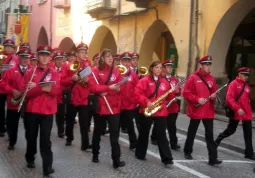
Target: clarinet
(208,98)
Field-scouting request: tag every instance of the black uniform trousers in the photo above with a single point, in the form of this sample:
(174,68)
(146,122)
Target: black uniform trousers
(163,144)
(171,127)
(192,130)
(83,122)
(113,123)
(12,124)
(2,113)
(34,122)
(60,119)
(247,132)
(128,116)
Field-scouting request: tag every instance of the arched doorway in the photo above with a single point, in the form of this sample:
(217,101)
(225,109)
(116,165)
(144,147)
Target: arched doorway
(103,38)
(158,43)
(42,37)
(66,44)
(233,43)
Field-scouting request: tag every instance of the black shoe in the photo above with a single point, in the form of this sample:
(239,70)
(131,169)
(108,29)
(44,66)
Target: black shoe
(124,131)
(86,148)
(1,134)
(61,135)
(132,146)
(48,171)
(250,157)
(176,147)
(154,142)
(214,162)
(68,143)
(142,159)
(170,162)
(95,159)
(188,156)
(11,147)
(30,165)
(120,164)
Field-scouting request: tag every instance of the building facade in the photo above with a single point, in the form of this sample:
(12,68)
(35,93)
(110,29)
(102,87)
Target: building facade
(156,29)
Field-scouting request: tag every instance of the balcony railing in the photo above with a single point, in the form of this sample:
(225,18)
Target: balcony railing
(101,8)
(145,3)
(62,4)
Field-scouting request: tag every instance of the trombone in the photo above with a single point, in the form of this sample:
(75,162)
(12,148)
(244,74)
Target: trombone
(76,67)
(123,70)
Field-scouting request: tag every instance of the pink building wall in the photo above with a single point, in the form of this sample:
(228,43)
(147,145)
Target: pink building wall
(40,19)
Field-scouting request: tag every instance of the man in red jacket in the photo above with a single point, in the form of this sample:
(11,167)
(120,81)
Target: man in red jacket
(79,98)
(60,115)
(198,87)
(128,106)
(12,85)
(40,107)
(238,99)
(9,51)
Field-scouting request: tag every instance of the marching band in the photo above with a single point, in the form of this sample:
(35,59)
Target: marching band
(113,91)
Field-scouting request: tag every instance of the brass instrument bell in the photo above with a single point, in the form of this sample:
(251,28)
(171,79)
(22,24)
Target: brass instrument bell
(123,70)
(143,71)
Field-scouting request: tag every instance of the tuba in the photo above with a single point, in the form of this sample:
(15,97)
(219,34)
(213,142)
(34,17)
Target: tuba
(123,70)
(143,71)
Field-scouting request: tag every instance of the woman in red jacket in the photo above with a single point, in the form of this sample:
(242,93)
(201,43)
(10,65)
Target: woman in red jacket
(238,99)
(149,89)
(173,109)
(102,82)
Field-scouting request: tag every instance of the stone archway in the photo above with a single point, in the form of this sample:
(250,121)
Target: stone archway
(42,37)
(66,44)
(103,38)
(158,43)
(224,32)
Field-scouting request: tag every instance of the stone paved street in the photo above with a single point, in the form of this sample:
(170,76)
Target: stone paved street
(70,162)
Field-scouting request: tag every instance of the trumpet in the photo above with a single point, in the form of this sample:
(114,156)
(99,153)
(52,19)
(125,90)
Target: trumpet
(123,70)
(143,71)
(76,67)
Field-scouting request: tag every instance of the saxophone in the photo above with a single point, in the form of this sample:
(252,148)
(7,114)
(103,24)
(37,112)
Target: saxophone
(157,104)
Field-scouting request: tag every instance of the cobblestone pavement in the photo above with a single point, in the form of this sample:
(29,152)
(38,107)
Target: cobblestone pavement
(70,162)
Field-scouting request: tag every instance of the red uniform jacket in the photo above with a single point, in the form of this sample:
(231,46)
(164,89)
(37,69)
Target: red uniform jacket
(79,94)
(233,90)
(174,107)
(145,87)
(113,97)
(194,89)
(11,59)
(127,91)
(38,101)
(12,80)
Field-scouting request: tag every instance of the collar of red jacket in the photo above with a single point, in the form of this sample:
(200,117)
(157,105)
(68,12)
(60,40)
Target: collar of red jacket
(7,54)
(42,69)
(239,80)
(201,72)
(106,67)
